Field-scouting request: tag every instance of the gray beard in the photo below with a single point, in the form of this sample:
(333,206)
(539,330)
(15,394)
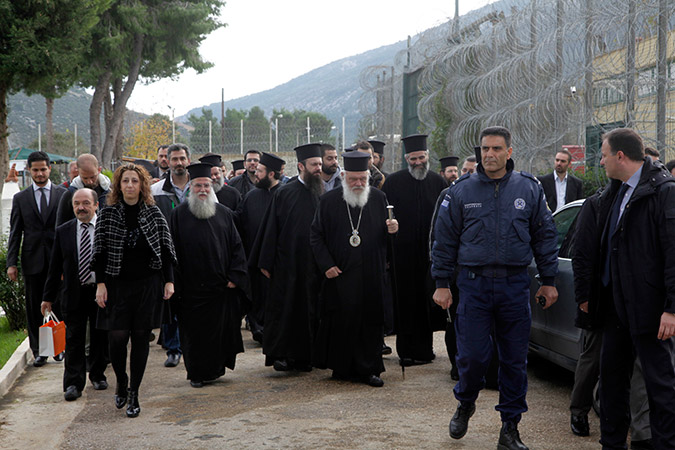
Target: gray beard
(419,173)
(203,209)
(355,199)
(217,185)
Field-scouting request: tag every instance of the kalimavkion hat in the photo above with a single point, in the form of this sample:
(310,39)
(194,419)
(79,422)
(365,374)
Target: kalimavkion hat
(271,162)
(356,161)
(308,151)
(378,146)
(449,161)
(415,143)
(199,170)
(238,164)
(212,158)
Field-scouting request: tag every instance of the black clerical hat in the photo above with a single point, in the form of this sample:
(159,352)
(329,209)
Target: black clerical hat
(449,161)
(356,161)
(351,148)
(238,164)
(378,146)
(199,170)
(415,143)
(308,151)
(273,163)
(211,158)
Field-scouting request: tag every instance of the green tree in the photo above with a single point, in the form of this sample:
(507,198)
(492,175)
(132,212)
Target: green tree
(41,41)
(148,39)
(199,136)
(64,144)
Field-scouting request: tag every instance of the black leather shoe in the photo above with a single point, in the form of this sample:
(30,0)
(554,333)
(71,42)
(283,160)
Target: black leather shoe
(258,336)
(460,421)
(72,394)
(60,356)
(172,360)
(101,385)
(40,361)
(152,336)
(133,408)
(386,350)
(121,394)
(579,425)
(645,444)
(407,362)
(509,438)
(282,365)
(196,384)
(374,381)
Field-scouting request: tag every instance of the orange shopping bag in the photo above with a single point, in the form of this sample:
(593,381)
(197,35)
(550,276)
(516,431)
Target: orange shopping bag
(52,336)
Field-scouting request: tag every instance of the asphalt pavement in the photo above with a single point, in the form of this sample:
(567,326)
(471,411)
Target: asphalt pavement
(256,407)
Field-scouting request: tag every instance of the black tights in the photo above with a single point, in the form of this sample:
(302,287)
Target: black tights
(140,347)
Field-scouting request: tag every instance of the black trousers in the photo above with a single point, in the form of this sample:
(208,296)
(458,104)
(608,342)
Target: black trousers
(35,285)
(619,349)
(77,363)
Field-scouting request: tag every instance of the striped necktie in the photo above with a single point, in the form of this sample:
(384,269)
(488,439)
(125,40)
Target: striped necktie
(85,254)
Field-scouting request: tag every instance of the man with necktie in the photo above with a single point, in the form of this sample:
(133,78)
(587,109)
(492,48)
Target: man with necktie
(637,215)
(71,260)
(33,220)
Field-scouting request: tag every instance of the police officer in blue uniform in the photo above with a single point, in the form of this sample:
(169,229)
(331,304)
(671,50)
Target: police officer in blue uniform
(489,226)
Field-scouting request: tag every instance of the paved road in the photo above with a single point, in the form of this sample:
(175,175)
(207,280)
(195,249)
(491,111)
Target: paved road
(255,407)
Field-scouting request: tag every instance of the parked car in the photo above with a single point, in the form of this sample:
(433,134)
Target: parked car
(554,336)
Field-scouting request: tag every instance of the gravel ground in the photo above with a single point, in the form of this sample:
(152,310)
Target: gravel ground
(255,407)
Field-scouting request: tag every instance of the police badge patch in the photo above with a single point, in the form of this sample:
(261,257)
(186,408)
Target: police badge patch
(519,203)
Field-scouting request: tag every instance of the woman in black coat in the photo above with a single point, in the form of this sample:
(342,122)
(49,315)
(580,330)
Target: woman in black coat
(133,260)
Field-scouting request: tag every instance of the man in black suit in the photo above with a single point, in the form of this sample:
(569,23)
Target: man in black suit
(71,260)
(637,302)
(561,187)
(162,167)
(33,218)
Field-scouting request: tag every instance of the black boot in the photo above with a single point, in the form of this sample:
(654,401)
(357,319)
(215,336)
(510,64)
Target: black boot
(509,438)
(133,408)
(121,393)
(460,421)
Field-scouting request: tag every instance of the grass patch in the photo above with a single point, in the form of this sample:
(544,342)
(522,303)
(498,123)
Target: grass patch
(9,340)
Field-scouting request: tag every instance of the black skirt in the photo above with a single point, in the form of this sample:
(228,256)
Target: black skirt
(133,304)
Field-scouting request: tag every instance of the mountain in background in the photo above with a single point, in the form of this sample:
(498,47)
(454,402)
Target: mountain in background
(332,90)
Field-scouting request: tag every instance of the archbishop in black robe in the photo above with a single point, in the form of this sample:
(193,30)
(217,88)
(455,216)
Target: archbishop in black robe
(250,215)
(282,248)
(210,254)
(351,305)
(417,316)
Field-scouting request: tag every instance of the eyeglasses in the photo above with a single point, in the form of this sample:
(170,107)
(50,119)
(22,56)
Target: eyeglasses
(200,185)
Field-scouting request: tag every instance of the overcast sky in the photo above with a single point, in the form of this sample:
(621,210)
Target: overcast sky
(269,42)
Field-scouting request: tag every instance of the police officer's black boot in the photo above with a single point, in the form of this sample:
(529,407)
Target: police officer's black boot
(509,438)
(460,421)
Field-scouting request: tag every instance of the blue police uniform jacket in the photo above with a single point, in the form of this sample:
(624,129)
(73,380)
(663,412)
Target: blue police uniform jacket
(504,222)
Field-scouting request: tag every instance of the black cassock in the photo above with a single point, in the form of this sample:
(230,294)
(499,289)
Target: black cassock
(210,254)
(250,215)
(417,316)
(229,196)
(282,248)
(351,306)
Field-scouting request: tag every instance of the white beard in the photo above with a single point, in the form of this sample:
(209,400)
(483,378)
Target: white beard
(355,199)
(203,209)
(419,173)
(217,185)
